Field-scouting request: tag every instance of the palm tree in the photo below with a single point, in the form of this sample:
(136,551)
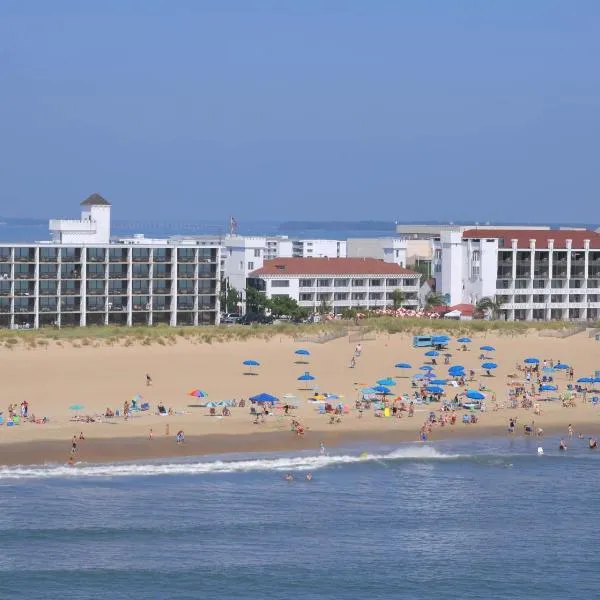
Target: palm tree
(489,306)
(397,298)
(434,299)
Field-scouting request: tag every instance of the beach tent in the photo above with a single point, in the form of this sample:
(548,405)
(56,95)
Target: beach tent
(474,395)
(531,361)
(489,366)
(388,381)
(263,398)
(434,389)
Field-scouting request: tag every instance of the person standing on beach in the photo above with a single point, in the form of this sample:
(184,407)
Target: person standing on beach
(151,434)
(148,380)
(74,444)
(570,430)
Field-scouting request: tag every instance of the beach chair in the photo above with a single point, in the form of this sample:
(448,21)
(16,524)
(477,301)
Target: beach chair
(1,420)
(595,402)
(322,410)
(466,419)
(16,420)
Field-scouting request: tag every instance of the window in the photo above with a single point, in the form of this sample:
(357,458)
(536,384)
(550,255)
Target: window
(358,296)
(520,298)
(392,282)
(340,296)
(304,283)
(323,282)
(375,296)
(256,253)
(474,271)
(408,282)
(341,282)
(375,282)
(250,266)
(476,255)
(280,283)
(438,255)
(306,297)
(358,282)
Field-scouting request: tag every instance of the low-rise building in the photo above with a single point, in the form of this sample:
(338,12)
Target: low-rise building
(388,249)
(339,283)
(534,274)
(318,248)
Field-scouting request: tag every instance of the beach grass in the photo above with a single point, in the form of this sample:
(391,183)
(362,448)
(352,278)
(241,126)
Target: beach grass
(95,336)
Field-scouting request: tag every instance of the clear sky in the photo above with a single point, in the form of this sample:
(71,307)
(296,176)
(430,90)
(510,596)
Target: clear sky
(306,109)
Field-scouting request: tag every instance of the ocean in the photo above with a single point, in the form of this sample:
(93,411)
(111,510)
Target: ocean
(458,520)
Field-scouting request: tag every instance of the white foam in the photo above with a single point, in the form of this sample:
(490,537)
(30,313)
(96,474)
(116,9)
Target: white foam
(297,463)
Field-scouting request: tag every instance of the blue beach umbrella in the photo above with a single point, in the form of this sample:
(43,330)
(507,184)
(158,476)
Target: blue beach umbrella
(418,377)
(402,366)
(302,352)
(429,375)
(438,382)
(306,377)
(432,353)
(456,370)
(532,361)
(264,397)
(464,340)
(475,395)
(548,370)
(488,348)
(548,388)
(382,389)
(562,367)
(251,363)
(596,380)
(585,380)
(434,389)
(426,368)
(386,381)
(489,365)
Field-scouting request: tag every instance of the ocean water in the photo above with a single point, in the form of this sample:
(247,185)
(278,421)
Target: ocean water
(473,519)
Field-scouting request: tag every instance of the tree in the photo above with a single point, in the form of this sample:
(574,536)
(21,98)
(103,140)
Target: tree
(348,313)
(285,306)
(434,299)
(489,306)
(232,298)
(324,308)
(423,267)
(397,298)
(256,301)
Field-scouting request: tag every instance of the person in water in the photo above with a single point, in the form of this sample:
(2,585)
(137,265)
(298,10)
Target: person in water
(309,477)
(593,443)
(562,445)
(289,477)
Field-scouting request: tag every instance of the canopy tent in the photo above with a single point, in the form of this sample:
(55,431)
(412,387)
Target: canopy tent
(263,398)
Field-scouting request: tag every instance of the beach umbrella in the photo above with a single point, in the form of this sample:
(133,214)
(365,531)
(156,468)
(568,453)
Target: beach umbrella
(306,377)
(488,348)
(464,340)
(548,370)
(438,382)
(402,366)
(388,381)
(532,361)
(432,353)
(596,380)
(475,395)
(76,407)
(562,367)
(585,380)
(429,375)
(264,397)
(302,352)
(489,365)
(434,389)
(548,388)
(426,368)
(251,364)
(456,371)
(198,394)
(382,389)
(368,391)
(419,376)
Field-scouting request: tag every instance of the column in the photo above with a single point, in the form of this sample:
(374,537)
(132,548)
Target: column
(129,287)
(586,257)
(150,288)
(83,287)
(36,289)
(174,287)
(218,286)
(196,303)
(12,288)
(549,282)
(566,313)
(58,285)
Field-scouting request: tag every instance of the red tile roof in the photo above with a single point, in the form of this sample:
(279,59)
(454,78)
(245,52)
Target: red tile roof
(465,309)
(330,266)
(541,237)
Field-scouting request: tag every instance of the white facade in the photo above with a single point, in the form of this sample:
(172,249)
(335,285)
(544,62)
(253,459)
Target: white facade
(391,249)
(307,282)
(134,281)
(535,274)
(319,249)
(278,247)
(92,228)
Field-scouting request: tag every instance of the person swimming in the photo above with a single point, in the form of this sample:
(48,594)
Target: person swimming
(593,444)
(562,445)
(322,448)
(289,477)
(309,477)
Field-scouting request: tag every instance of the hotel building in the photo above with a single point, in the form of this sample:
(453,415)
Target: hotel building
(340,283)
(536,274)
(83,277)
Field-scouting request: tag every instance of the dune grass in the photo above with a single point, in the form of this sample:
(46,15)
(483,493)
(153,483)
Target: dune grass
(165,335)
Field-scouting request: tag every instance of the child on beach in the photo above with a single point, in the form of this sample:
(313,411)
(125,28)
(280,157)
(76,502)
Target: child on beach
(148,380)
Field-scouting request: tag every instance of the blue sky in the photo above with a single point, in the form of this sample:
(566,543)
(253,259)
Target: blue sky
(301,110)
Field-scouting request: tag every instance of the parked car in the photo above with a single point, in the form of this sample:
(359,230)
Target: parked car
(250,318)
(231,318)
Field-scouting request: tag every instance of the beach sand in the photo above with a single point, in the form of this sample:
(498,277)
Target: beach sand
(53,378)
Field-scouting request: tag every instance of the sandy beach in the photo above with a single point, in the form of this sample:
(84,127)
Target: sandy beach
(52,379)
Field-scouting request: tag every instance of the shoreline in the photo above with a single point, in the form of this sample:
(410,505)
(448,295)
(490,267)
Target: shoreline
(128,449)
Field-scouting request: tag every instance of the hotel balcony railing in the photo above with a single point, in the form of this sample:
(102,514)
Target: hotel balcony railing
(117,307)
(161,291)
(49,292)
(4,258)
(48,259)
(24,259)
(24,292)
(118,259)
(48,308)
(141,307)
(207,275)
(69,307)
(24,275)
(95,308)
(185,259)
(4,292)
(95,292)
(135,275)
(49,275)
(96,259)
(117,275)
(161,307)
(185,292)
(140,259)
(5,309)
(95,275)
(70,292)
(185,276)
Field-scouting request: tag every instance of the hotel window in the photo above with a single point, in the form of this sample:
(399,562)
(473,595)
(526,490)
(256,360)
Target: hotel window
(256,253)
(474,271)
(304,283)
(358,296)
(323,282)
(375,282)
(358,282)
(340,282)
(520,298)
(141,287)
(250,266)
(280,283)
(306,297)
(476,255)
(340,296)
(324,297)
(409,282)
(438,255)
(392,282)
(375,296)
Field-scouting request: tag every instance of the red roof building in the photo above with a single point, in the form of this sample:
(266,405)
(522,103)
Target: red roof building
(543,237)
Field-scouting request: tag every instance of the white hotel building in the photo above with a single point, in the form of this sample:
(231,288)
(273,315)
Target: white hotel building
(340,283)
(537,274)
(82,277)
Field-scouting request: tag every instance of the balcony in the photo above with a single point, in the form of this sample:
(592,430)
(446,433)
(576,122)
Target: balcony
(95,307)
(141,258)
(6,258)
(185,259)
(95,275)
(69,306)
(28,275)
(117,256)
